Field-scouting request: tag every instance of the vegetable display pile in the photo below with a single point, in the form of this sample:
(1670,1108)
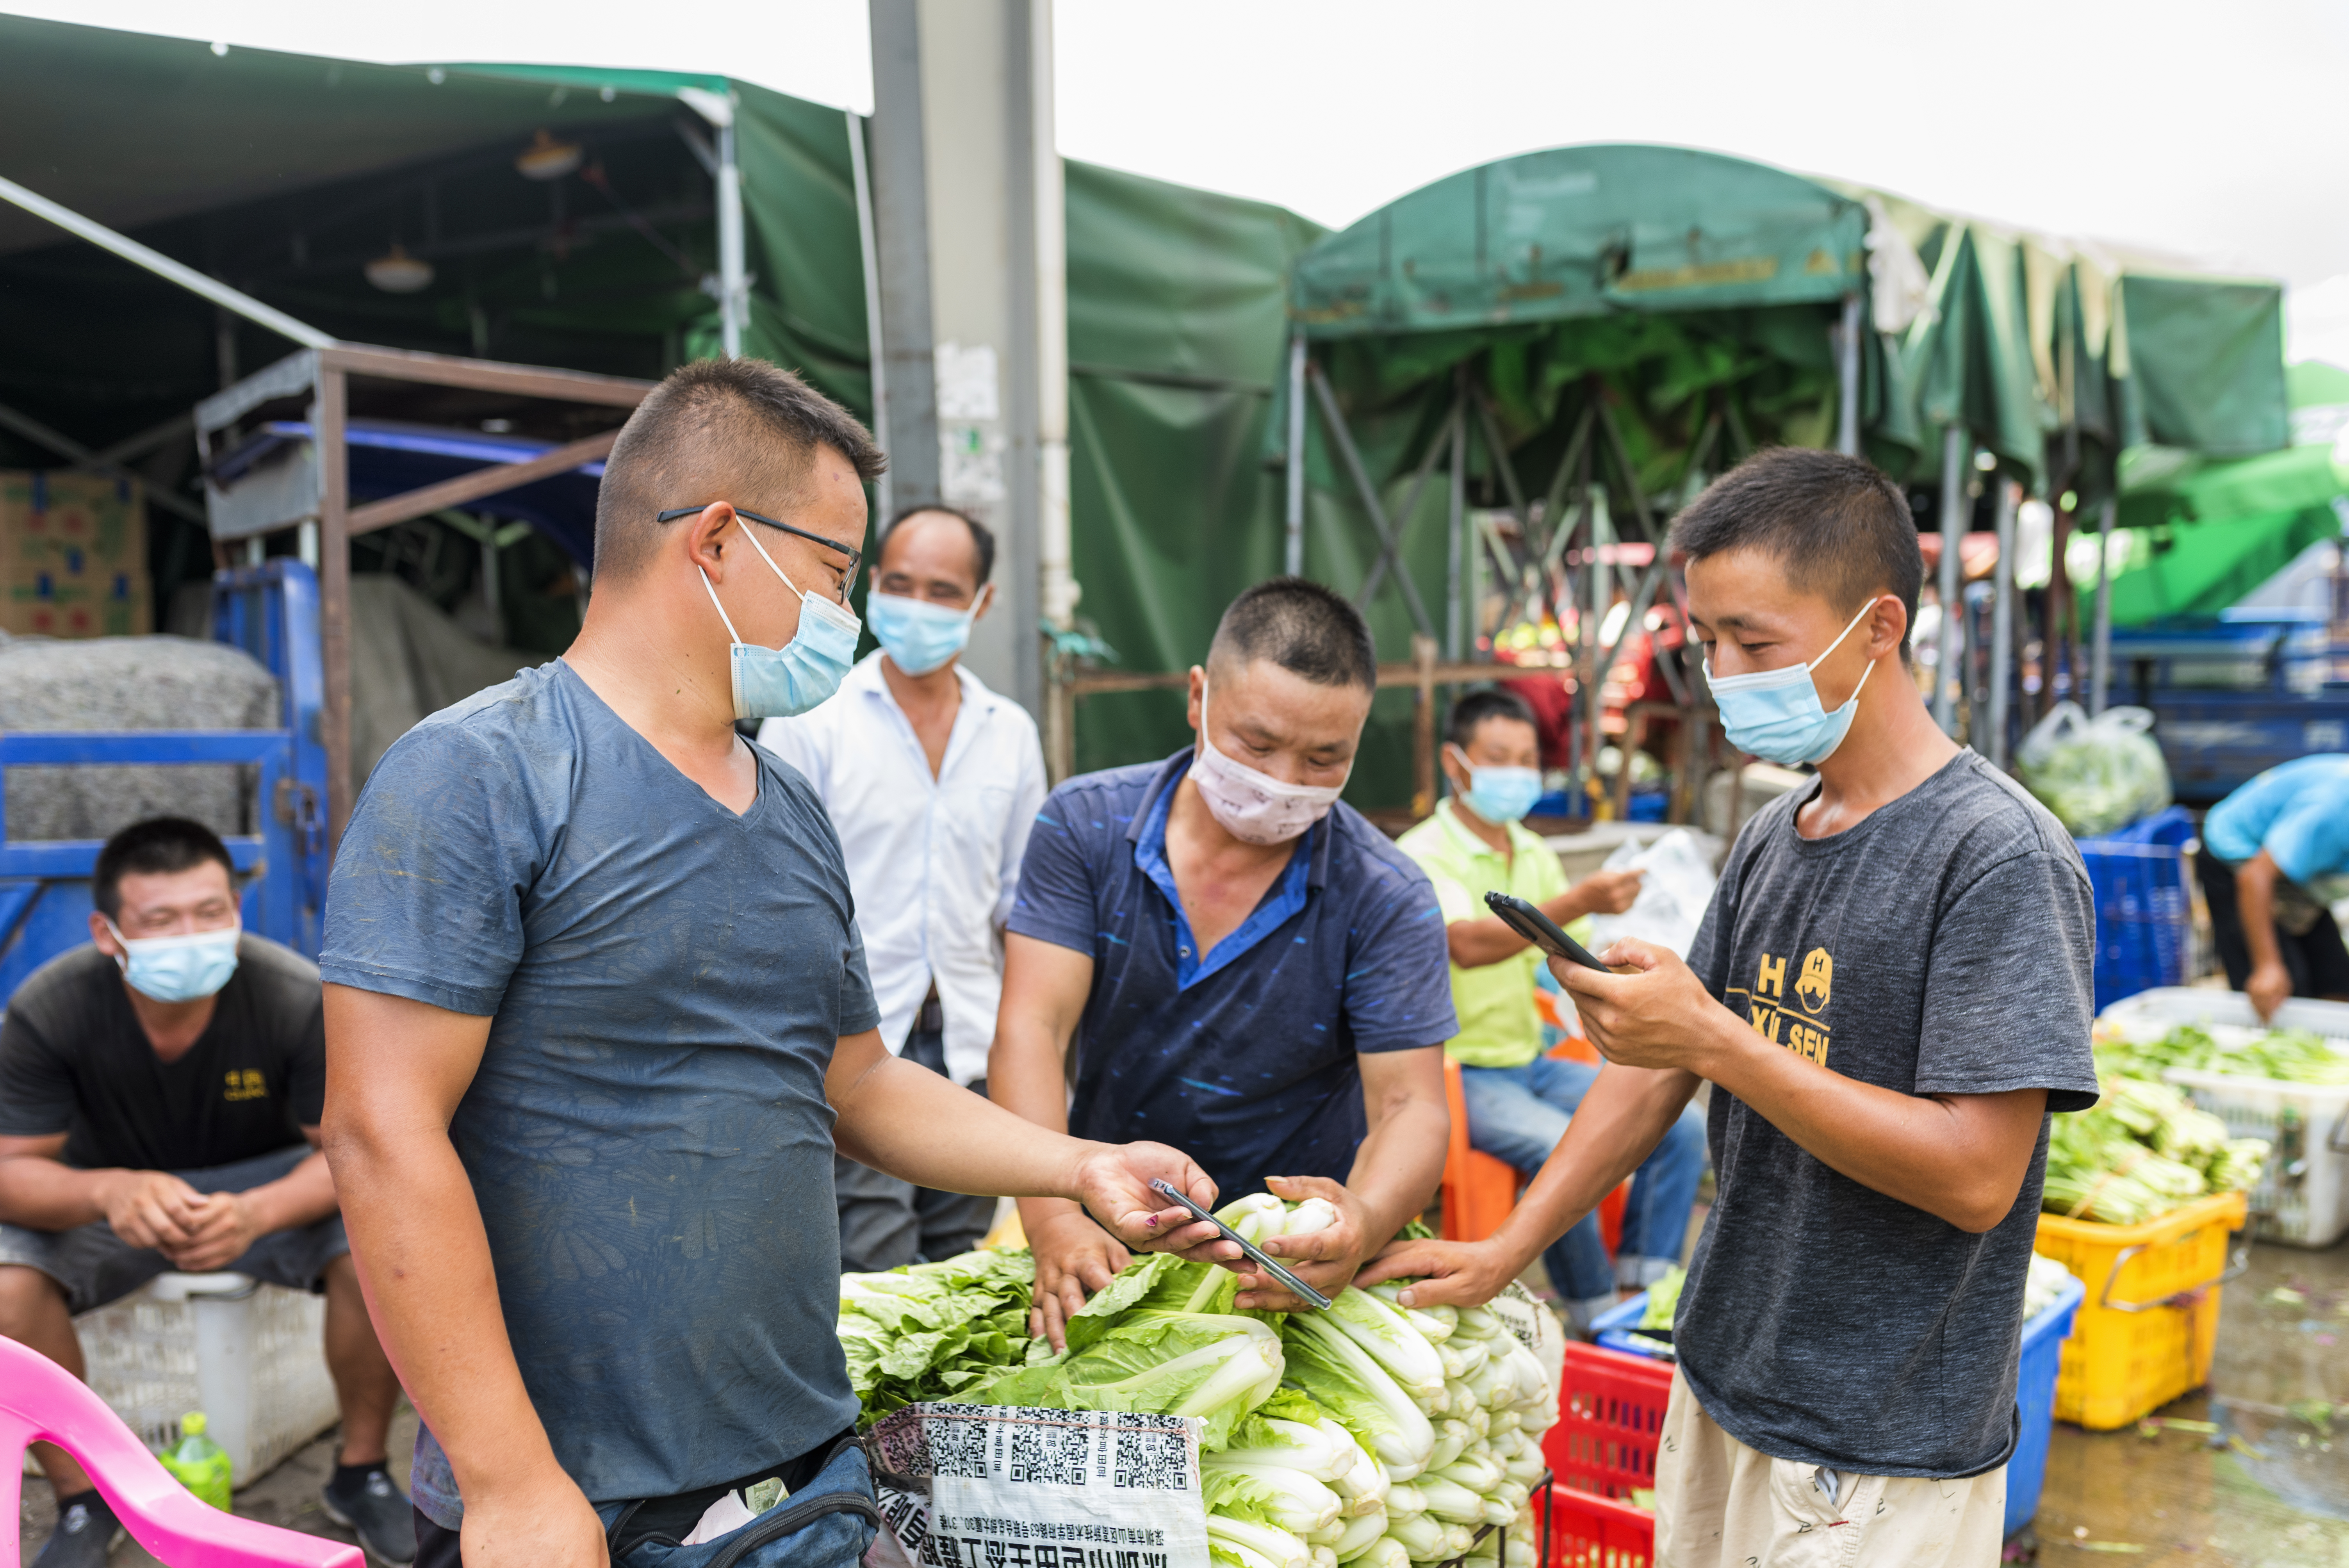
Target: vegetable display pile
(934,1331)
(2140,1152)
(2292,1055)
(1371,1433)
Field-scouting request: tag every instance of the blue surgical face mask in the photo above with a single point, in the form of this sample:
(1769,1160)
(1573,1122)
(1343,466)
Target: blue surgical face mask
(918,635)
(178,968)
(776,683)
(1500,795)
(1777,715)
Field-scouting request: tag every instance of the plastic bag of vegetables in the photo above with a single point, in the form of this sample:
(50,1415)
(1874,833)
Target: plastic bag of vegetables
(2095,774)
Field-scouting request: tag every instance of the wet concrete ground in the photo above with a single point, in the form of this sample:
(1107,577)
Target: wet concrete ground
(2270,1487)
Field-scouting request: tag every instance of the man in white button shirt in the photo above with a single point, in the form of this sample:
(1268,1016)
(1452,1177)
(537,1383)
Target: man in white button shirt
(932,781)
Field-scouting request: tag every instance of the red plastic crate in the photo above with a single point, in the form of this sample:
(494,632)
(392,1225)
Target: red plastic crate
(1588,1531)
(1610,1407)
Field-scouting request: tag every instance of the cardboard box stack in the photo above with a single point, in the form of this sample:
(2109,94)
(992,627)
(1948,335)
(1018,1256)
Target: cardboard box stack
(73,556)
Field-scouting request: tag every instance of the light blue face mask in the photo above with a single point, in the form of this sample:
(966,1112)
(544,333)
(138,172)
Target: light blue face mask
(178,968)
(918,635)
(777,683)
(1777,715)
(1500,795)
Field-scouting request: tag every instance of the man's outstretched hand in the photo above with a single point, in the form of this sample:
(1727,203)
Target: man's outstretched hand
(1445,1273)
(1112,1181)
(1076,1257)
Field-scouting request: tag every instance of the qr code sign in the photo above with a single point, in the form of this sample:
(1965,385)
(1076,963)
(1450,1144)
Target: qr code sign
(1050,1453)
(956,1447)
(1152,1461)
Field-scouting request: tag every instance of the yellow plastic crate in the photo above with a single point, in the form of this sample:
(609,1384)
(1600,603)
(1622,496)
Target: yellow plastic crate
(2146,1333)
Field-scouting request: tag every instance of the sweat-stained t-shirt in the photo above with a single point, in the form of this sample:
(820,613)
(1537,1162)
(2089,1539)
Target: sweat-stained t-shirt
(74,1060)
(1243,1056)
(1944,946)
(648,1134)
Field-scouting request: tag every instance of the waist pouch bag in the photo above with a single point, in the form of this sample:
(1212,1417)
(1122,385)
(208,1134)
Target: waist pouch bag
(828,1523)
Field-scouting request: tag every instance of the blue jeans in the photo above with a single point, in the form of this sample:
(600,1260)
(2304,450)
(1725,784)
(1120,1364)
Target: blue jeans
(1518,1114)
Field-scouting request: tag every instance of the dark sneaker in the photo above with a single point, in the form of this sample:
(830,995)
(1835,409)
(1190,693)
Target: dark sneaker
(86,1531)
(376,1512)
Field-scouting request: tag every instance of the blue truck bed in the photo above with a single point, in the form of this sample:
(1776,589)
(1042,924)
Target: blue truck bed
(272,613)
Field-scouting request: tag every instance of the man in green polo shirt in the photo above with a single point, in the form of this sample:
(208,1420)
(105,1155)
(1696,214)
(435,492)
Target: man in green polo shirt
(1518,1099)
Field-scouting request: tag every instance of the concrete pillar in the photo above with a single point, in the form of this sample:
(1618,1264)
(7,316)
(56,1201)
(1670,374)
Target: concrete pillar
(974,312)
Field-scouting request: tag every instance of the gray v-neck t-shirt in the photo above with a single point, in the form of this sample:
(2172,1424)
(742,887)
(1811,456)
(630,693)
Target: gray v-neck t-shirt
(648,1134)
(1944,946)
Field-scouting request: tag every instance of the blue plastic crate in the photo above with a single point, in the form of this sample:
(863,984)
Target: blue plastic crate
(1614,1327)
(2034,1389)
(2034,1397)
(2144,911)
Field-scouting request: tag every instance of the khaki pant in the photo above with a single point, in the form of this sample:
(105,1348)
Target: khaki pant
(1719,1504)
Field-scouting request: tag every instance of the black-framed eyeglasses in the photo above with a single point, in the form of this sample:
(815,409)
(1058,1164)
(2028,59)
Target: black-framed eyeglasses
(855,556)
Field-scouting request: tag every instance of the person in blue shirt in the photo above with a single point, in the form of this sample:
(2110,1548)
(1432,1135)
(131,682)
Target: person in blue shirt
(597,1018)
(2274,853)
(1240,966)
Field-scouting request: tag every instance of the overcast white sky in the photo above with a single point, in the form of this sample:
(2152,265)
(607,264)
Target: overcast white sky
(2210,132)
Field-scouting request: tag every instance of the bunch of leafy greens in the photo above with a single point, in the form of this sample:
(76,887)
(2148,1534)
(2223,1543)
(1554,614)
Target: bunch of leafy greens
(1161,1339)
(2140,1152)
(934,1331)
(2289,1055)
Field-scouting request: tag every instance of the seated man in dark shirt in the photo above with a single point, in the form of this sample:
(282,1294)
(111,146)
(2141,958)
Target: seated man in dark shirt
(156,1091)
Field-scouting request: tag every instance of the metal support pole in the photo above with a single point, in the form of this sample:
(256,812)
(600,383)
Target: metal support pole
(733,292)
(1293,552)
(2101,654)
(901,225)
(163,266)
(332,409)
(1957,455)
(2001,626)
(1848,377)
(875,343)
(1455,539)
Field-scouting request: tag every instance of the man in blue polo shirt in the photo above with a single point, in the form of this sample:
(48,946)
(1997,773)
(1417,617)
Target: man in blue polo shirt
(1244,967)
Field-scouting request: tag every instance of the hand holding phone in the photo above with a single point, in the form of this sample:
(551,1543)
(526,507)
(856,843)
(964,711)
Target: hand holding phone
(1528,921)
(1256,1255)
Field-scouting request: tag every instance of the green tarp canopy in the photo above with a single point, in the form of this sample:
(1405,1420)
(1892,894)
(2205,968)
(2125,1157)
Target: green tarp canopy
(2206,532)
(285,174)
(1580,231)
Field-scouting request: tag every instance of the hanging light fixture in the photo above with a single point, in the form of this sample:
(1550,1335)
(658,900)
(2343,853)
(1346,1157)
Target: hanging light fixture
(399,273)
(547,159)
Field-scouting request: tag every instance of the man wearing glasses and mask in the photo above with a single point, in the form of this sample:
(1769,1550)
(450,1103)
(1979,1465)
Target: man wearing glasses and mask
(597,1018)
(931,781)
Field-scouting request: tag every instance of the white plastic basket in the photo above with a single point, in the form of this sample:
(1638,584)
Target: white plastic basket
(2303,1197)
(250,1356)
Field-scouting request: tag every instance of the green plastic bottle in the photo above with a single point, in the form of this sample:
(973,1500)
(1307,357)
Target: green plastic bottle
(200,1464)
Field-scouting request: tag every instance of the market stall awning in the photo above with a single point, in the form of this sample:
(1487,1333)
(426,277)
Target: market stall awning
(1578,232)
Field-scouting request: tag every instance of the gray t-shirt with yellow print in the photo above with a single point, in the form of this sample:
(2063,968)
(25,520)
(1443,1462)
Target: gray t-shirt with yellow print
(1941,946)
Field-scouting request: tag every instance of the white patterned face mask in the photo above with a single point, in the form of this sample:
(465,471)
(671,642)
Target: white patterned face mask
(1253,806)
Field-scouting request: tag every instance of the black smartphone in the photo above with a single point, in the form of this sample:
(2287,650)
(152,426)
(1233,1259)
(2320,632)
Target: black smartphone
(1256,1255)
(1539,929)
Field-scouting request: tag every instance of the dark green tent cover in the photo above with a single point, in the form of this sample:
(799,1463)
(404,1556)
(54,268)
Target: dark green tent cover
(285,174)
(1581,232)
(2205,365)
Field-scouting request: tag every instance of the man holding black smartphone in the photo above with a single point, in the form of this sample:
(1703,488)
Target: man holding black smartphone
(1889,992)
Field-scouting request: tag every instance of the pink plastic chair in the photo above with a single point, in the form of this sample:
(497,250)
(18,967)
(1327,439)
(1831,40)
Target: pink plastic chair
(41,1401)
